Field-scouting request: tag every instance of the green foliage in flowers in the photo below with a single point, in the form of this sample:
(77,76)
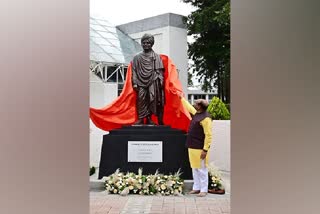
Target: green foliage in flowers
(92,170)
(215,181)
(218,110)
(131,183)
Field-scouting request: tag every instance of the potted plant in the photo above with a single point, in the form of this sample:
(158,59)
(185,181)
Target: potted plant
(92,170)
(218,110)
(215,180)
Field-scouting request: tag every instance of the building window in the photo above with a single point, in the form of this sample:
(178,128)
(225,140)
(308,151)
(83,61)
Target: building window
(111,74)
(125,73)
(120,88)
(199,96)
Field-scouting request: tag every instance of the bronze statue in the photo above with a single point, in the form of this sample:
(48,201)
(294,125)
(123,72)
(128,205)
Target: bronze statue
(148,82)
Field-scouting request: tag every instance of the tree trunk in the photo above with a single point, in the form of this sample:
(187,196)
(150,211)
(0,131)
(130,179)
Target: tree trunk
(228,89)
(222,87)
(228,82)
(219,83)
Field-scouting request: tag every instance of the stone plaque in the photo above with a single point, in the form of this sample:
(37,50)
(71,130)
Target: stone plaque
(144,151)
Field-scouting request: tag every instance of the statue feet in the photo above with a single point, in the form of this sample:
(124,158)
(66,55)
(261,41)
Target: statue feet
(149,121)
(139,122)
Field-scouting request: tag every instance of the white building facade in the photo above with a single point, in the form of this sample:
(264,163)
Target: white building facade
(170,36)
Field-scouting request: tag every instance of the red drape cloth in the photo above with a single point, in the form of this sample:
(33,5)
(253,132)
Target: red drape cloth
(122,111)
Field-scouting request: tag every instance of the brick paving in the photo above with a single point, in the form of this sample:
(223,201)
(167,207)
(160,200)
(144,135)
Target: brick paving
(103,203)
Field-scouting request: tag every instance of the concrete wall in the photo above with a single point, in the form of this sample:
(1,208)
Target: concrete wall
(101,94)
(161,38)
(220,146)
(96,136)
(178,53)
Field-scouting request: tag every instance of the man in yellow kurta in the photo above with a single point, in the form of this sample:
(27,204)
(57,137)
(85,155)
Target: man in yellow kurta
(198,143)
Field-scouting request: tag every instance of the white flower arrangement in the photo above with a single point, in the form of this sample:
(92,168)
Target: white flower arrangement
(215,181)
(131,183)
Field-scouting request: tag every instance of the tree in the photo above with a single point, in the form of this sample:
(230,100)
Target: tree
(190,83)
(210,27)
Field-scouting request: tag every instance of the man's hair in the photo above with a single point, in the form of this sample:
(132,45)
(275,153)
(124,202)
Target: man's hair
(149,37)
(203,103)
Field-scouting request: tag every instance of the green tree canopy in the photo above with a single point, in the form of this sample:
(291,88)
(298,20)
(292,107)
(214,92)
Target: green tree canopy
(210,27)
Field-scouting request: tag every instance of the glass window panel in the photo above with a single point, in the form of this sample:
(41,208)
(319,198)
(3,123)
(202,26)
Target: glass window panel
(113,44)
(111,49)
(101,41)
(97,27)
(121,75)
(94,46)
(111,75)
(199,96)
(119,58)
(92,21)
(211,96)
(110,41)
(94,56)
(109,29)
(94,34)
(109,44)
(125,73)
(107,35)
(104,22)
(120,88)
(101,57)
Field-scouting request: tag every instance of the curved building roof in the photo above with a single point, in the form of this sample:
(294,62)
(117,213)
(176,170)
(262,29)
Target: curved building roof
(109,44)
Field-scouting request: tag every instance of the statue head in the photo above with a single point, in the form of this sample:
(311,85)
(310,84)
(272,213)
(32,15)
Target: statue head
(147,42)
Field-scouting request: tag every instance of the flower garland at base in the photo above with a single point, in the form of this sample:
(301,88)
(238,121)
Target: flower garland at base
(215,180)
(156,184)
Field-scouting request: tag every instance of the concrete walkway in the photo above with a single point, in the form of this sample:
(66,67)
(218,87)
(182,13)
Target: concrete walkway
(103,203)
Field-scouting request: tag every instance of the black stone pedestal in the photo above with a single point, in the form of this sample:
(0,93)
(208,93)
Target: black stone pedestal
(114,152)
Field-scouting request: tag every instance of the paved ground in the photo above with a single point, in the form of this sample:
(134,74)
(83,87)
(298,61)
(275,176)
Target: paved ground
(102,203)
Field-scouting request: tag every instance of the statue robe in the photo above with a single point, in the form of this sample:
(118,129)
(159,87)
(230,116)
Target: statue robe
(123,111)
(147,74)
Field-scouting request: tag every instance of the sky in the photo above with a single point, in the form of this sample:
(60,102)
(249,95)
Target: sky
(123,11)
